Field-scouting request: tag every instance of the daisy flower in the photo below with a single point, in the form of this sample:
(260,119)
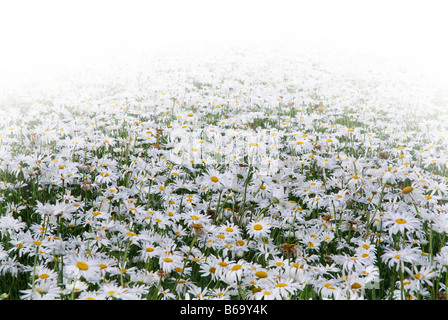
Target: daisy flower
(258,229)
(348,262)
(212,180)
(267,294)
(235,271)
(55,210)
(9,265)
(279,263)
(222,293)
(399,222)
(397,258)
(148,250)
(442,257)
(198,293)
(423,274)
(195,217)
(43,273)
(168,262)
(209,268)
(221,264)
(86,295)
(77,266)
(311,242)
(42,290)
(106,177)
(75,286)
(230,229)
(239,247)
(10,225)
(178,231)
(286,287)
(328,288)
(114,291)
(166,294)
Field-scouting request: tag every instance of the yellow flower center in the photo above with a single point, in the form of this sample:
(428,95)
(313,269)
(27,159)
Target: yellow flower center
(279,264)
(82,265)
(261,274)
(407,190)
(356,285)
(258,227)
(214,179)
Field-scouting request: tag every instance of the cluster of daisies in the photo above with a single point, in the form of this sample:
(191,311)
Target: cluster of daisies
(232,176)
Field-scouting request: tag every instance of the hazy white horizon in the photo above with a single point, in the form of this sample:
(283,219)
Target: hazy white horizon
(41,36)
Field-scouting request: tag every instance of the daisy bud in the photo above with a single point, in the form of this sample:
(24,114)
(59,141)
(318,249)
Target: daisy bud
(86,186)
(198,229)
(289,249)
(162,274)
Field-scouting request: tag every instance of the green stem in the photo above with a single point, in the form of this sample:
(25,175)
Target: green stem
(124,262)
(374,214)
(185,263)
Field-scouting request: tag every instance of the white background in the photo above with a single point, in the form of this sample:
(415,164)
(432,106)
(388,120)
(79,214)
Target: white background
(38,35)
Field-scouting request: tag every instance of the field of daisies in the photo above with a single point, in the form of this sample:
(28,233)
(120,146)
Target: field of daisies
(233,175)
